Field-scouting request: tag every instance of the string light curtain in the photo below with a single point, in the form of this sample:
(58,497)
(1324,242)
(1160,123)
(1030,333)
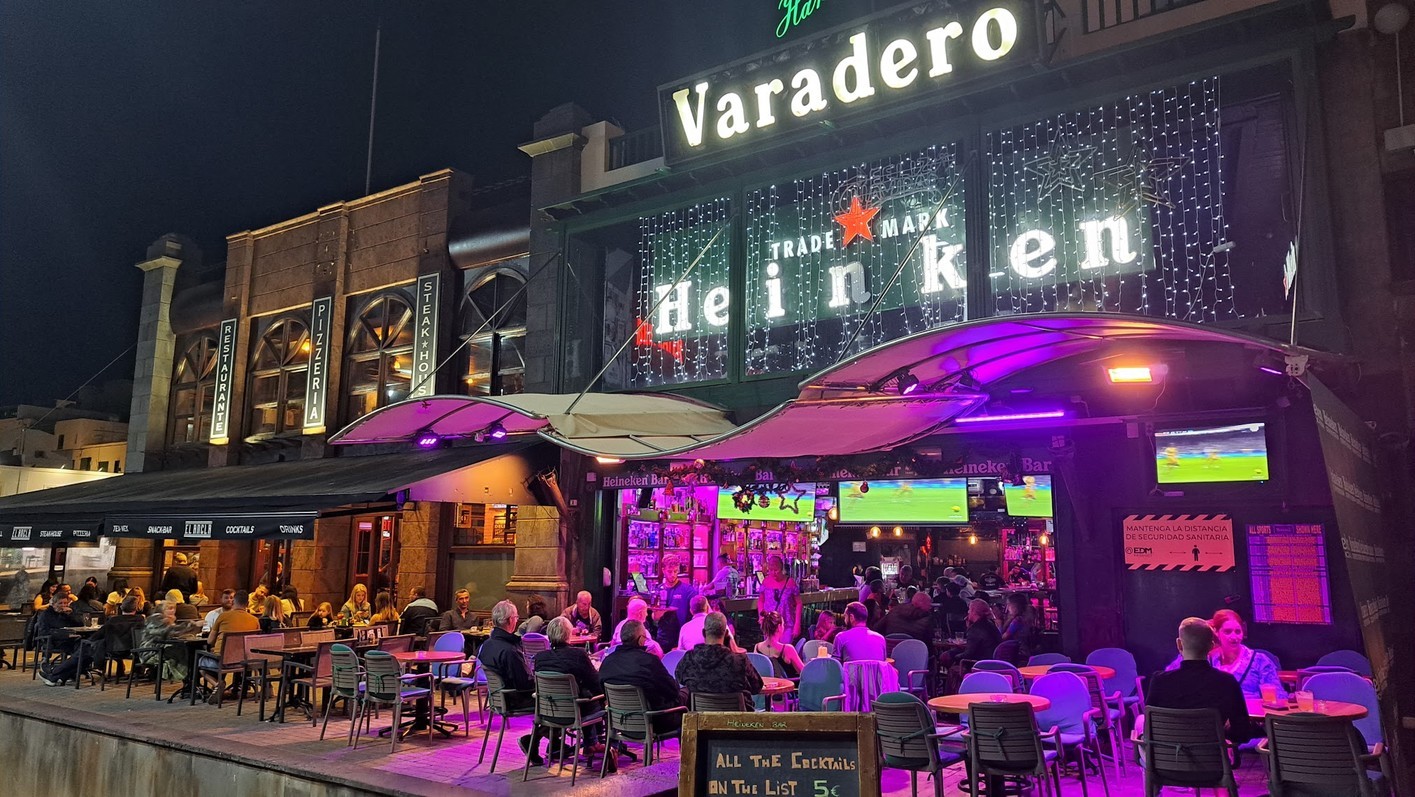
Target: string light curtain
(819,249)
(686,338)
(1115,208)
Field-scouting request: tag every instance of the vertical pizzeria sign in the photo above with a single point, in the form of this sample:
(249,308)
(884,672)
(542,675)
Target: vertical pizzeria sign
(225,373)
(317,386)
(425,339)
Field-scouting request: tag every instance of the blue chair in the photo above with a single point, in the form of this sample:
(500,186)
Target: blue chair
(1306,673)
(1272,657)
(1126,680)
(1070,713)
(822,683)
(670,662)
(448,679)
(762,663)
(1349,687)
(1042,659)
(1007,669)
(975,683)
(1349,659)
(811,649)
(911,659)
(1107,710)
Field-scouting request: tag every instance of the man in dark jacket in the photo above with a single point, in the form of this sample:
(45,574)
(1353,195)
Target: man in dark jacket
(180,577)
(712,668)
(421,610)
(914,618)
(54,621)
(631,664)
(1196,684)
(116,635)
(502,654)
(567,660)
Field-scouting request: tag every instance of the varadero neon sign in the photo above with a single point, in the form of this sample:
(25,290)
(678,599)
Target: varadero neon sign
(891,57)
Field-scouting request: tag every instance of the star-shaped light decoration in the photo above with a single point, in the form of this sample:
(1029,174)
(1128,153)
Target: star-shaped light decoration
(1061,166)
(1142,179)
(855,222)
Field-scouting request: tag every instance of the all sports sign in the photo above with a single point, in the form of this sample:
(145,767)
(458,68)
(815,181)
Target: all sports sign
(923,51)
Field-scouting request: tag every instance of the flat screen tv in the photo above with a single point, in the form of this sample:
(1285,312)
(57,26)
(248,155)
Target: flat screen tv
(905,501)
(1031,498)
(1210,454)
(799,505)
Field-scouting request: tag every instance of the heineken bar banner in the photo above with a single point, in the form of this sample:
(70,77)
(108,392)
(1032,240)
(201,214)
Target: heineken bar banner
(188,528)
(225,371)
(317,386)
(40,533)
(425,339)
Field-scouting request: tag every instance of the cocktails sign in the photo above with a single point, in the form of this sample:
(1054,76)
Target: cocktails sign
(890,58)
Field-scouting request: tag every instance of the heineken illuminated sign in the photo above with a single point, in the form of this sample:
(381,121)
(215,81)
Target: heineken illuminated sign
(892,57)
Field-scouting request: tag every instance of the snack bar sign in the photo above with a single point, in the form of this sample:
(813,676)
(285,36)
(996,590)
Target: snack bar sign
(925,50)
(1179,542)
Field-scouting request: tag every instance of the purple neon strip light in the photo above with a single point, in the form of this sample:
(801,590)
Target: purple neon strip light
(1019,416)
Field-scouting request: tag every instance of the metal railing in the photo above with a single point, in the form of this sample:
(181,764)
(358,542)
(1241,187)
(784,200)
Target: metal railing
(1097,15)
(635,147)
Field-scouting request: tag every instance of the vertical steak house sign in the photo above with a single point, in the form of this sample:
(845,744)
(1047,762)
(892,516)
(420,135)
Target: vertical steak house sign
(921,50)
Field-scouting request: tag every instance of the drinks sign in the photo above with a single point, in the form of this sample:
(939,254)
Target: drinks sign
(890,58)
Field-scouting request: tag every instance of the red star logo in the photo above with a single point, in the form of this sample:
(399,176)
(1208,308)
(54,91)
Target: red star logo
(856,222)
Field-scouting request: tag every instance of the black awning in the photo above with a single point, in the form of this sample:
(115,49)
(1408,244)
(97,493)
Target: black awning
(240,495)
(208,526)
(48,532)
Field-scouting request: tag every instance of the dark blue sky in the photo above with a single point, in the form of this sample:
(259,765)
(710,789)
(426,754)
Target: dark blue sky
(122,121)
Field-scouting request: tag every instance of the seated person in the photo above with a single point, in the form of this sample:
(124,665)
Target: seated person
(383,609)
(119,628)
(536,616)
(631,664)
(419,612)
(982,638)
(584,617)
(953,608)
(990,580)
(570,660)
(713,668)
(785,661)
(1195,683)
(637,611)
(502,655)
(290,601)
(186,612)
(691,634)
(54,621)
(857,642)
(322,618)
(875,605)
(915,618)
(459,617)
(825,629)
(236,620)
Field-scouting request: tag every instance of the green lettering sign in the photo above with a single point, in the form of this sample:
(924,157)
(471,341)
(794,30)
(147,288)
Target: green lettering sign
(794,12)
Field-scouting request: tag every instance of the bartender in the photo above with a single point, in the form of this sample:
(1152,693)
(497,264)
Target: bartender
(724,583)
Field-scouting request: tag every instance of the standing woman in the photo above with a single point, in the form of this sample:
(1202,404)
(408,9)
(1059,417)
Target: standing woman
(781,595)
(357,610)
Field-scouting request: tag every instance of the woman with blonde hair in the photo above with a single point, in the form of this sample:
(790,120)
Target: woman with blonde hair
(273,618)
(185,611)
(357,609)
(323,617)
(383,609)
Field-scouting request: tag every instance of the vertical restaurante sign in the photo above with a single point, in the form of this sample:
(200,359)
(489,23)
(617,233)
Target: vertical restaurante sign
(317,386)
(932,49)
(225,371)
(425,339)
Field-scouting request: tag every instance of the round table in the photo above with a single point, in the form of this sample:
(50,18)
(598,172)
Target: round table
(424,658)
(1038,670)
(958,704)
(1331,708)
(776,686)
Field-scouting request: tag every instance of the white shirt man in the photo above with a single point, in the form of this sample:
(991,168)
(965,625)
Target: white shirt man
(637,610)
(227,596)
(691,634)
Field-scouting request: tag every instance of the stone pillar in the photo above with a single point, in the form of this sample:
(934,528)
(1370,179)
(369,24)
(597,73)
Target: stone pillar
(540,559)
(319,568)
(224,565)
(420,534)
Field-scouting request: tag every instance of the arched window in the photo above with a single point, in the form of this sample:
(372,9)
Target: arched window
(193,386)
(278,367)
(378,363)
(494,326)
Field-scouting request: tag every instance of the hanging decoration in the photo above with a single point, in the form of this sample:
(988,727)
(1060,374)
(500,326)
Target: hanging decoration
(821,247)
(1115,208)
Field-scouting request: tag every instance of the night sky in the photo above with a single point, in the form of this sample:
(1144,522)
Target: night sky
(122,121)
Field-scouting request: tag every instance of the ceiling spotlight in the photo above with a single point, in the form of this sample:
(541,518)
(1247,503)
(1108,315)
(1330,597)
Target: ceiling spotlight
(899,531)
(427,438)
(907,383)
(1130,374)
(874,531)
(496,431)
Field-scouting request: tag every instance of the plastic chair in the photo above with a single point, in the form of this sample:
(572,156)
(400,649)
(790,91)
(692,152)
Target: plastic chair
(346,678)
(866,680)
(712,701)
(1042,659)
(822,681)
(981,682)
(629,717)
(271,671)
(670,662)
(531,644)
(448,678)
(762,663)
(1351,688)
(908,739)
(911,660)
(1339,768)
(1126,680)
(559,707)
(1108,709)
(1007,669)
(1306,673)
(384,685)
(314,677)
(1009,651)
(1185,747)
(891,641)
(811,649)
(402,643)
(1349,659)
(1003,742)
(504,702)
(1070,715)
(1272,657)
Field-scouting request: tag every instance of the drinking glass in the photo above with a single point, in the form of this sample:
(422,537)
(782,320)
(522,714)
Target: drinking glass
(1305,702)
(1269,692)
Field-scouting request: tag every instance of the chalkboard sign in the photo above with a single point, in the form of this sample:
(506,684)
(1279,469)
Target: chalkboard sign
(779,754)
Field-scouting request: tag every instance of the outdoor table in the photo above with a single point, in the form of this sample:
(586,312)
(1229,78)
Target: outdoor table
(422,716)
(195,645)
(958,704)
(582,639)
(292,654)
(776,686)
(1036,671)
(1332,708)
